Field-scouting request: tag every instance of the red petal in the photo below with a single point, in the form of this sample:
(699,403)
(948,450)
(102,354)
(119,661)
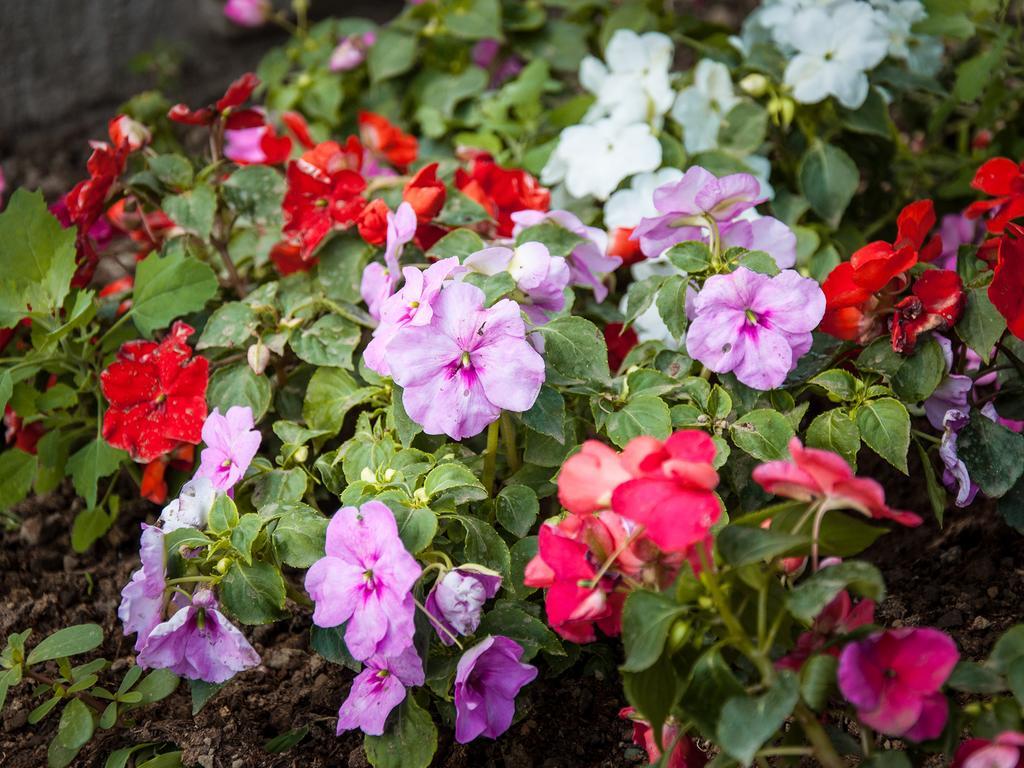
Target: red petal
(238,92)
(914,223)
(996,176)
(1007,288)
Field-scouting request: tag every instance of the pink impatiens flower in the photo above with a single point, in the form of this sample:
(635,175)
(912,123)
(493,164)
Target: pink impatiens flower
(247,13)
(455,604)
(488,678)
(541,277)
(755,325)
(815,475)
(412,305)
(365,579)
(465,367)
(894,679)
(378,689)
(231,444)
(199,643)
(1006,750)
(587,478)
(351,51)
(378,280)
(142,599)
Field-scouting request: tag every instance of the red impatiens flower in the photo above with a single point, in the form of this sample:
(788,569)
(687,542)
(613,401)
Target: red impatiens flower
(1006,291)
(935,304)
(620,341)
(685,753)
(324,193)
(1003,179)
(154,485)
(501,191)
(425,193)
(287,258)
(226,107)
(21,435)
(148,230)
(373,222)
(157,394)
(386,141)
(840,617)
(622,245)
(672,494)
(588,477)
(825,477)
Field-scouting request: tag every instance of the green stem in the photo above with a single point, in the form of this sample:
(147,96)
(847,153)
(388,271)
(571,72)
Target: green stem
(188,580)
(491,456)
(115,326)
(508,437)
(820,742)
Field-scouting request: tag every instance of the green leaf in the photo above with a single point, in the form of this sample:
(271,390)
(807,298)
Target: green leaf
(405,428)
(450,477)
(742,545)
(459,242)
(485,546)
(557,239)
(473,19)
(993,454)
(647,618)
(640,297)
(838,383)
(818,680)
(871,118)
(509,620)
(202,692)
(516,508)
(329,642)
(230,326)
(642,415)
(17,471)
(974,75)
(810,597)
(671,303)
(256,192)
(971,677)
(835,431)
(223,514)
(393,55)
(653,691)
(173,171)
(744,128)
(299,536)
(920,373)
(981,325)
(575,348)
(409,741)
(746,722)
(254,594)
(87,465)
(331,394)
(76,725)
(692,257)
(417,527)
(157,686)
(167,287)
(828,179)
(880,357)
(884,425)
(238,385)
(711,684)
(92,524)
(764,434)
(193,210)
(936,493)
(330,341)
(37,258)
(69,641)
(547,416)
(243,535)
(6,388)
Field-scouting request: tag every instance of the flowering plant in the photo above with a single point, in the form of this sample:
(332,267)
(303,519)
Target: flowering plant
(485,371)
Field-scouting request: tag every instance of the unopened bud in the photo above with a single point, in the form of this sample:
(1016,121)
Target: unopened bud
(301,454)
(367,475)
(222,565)
(755,84)
(389,475)
(258,356)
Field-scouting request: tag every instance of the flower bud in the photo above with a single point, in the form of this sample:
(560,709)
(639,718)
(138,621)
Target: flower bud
(258,356)
(222,565)
(754,84)
(456,601)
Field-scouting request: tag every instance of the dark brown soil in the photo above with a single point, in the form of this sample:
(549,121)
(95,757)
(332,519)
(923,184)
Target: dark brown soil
(568,722)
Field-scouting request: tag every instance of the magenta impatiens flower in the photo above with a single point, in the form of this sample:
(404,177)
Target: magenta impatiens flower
(366,580)
(894,679)
(465,367)
(378,689)
(488,678)
(142,599)
(231,444)
(457,600)
(199,643)
(686,206)
(755,325)
(248,13)
(412,305)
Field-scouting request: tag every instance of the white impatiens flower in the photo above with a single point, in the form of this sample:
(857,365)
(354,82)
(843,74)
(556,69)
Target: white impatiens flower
(593,159)
(633,84)
(923,53)
(627,207)
(777,17)
(702,107)
(835,49)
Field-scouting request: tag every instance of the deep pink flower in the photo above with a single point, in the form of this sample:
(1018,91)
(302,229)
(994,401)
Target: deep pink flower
(465,367)
(755,325)
(378,689)
(1006,750)
(587,478)
(672,494)
(247,13)
(894,679)
(142,599)
(199,643)
(231,445)
(456,601)
(814,474)
(685,753)
(365,579)
(488,678)
(412,305)
(839,617)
